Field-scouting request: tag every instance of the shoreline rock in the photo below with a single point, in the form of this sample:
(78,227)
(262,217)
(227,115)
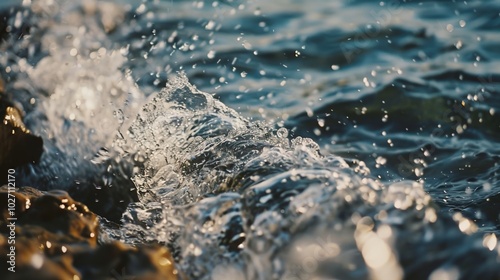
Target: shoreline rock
(57,238)
(19,146)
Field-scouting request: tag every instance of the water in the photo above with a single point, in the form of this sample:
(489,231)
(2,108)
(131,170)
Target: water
(345,140)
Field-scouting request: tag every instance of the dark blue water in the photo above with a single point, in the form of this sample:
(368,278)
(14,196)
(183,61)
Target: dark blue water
(358,127)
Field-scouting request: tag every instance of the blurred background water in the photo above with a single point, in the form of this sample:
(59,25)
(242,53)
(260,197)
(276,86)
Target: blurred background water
(341,108)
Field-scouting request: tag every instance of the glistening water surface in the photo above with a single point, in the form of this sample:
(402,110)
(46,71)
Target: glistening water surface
(302,139)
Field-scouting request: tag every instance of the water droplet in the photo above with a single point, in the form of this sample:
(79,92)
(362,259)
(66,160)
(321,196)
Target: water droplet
(321,122)
(381,160)
(490,241)
(211,54)
(210,25)
(309,112)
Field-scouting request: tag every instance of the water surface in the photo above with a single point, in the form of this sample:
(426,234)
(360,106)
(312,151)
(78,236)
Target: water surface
(340,139)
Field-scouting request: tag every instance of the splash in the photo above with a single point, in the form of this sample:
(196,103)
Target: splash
(238,199)
(71,81)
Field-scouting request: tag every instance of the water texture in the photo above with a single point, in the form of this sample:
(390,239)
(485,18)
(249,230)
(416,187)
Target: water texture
(271,139)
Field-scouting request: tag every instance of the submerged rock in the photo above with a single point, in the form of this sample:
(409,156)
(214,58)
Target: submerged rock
(55,237)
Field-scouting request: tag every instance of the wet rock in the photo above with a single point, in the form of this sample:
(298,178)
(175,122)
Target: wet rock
(18,146)
(57,238)
(116,260)
(107,190)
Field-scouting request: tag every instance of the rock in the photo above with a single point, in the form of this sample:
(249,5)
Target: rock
(18,145)
(57,238)
(120,261)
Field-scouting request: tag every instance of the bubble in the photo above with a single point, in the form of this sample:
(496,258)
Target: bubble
(282,132)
